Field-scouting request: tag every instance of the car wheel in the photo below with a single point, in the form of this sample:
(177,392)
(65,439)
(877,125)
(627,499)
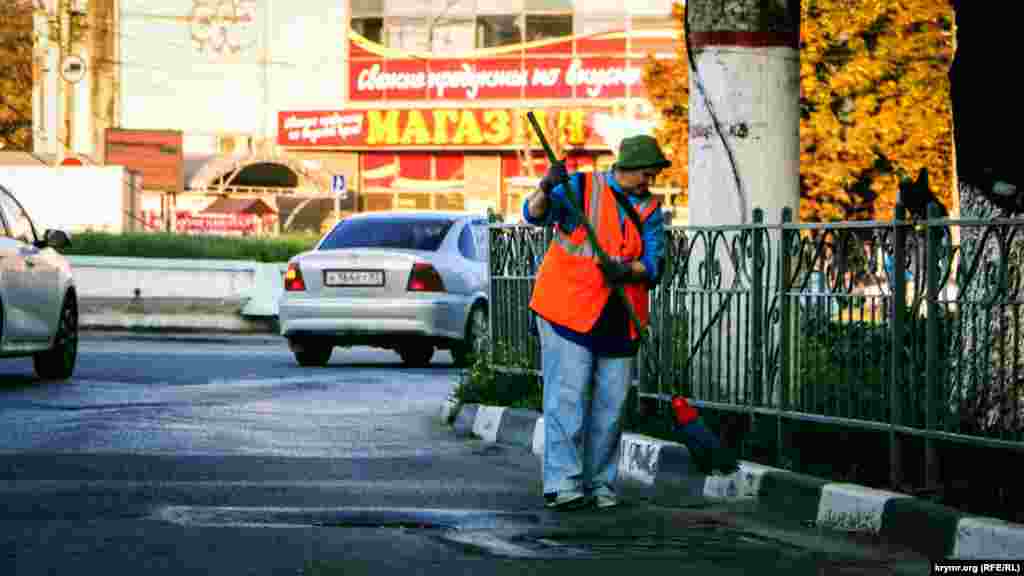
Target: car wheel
(58,363)
(416,355)
(476,340)
(313,355)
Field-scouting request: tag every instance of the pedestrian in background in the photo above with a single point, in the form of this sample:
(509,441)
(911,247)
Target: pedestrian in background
(587,337)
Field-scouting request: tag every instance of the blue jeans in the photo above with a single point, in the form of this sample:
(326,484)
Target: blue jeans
(584,400)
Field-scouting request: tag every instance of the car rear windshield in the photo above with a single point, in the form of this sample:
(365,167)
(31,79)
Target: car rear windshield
(406,233)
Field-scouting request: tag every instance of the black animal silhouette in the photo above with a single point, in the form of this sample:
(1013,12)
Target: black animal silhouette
(916,195)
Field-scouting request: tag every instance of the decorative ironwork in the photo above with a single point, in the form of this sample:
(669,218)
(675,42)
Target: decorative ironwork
(516,252)
(222,27)
(909,326)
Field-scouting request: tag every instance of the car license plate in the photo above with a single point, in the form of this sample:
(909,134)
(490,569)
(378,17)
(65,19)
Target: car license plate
(353,278)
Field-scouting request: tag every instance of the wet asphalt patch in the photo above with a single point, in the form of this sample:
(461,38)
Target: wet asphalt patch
(546,534)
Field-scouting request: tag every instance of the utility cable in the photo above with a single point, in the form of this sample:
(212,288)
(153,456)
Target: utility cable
(740,192)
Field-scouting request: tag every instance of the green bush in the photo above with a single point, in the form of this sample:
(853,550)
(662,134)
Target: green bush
(198,247)
(482,384)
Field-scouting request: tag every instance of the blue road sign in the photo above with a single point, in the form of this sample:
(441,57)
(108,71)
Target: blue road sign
(338,186)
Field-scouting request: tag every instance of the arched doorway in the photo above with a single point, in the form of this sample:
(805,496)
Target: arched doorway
(297,190)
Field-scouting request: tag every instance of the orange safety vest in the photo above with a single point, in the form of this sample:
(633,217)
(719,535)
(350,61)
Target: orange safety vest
(571,290)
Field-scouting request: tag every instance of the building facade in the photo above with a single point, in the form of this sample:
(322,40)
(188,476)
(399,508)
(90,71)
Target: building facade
(436,96)
(416,104)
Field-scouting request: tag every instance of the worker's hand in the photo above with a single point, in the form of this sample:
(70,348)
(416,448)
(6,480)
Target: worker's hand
(555,175)
(615,272)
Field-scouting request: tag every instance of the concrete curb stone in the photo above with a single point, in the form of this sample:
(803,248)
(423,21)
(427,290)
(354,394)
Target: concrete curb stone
(931,529)
(465,420)
(901,521)
(163,335)
(176,322)
(517,427)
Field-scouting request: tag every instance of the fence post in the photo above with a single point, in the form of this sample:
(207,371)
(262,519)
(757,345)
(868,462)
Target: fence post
(786,330)
(494,308)
(933,374)
(757,308)
(899,297)
(666,321)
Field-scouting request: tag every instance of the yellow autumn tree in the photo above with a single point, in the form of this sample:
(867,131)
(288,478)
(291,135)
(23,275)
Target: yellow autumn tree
(874,101)
(668,89)
(875,104)
(16,75)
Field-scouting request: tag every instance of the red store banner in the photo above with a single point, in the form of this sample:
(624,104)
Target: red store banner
(607,65)
(198,223)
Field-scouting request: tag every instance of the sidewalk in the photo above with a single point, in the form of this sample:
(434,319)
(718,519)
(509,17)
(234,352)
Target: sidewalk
(933,530)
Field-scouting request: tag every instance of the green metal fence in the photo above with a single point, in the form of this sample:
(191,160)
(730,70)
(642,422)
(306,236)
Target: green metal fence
(807,322)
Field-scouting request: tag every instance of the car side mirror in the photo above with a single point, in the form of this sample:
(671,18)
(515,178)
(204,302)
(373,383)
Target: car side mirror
(56,239)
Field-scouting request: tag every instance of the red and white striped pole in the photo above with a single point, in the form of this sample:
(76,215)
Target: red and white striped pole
(744,109)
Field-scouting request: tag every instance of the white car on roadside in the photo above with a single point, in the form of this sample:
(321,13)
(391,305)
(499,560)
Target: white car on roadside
(413,282)
(38,302)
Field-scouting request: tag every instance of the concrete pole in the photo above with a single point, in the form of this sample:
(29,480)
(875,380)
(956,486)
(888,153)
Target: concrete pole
(744,154)
(746,54)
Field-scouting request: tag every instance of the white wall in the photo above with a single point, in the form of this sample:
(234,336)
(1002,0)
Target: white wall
(71,198)
(170,81)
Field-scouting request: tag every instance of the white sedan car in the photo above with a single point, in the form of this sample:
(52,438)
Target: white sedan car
(413,282)
(38,302)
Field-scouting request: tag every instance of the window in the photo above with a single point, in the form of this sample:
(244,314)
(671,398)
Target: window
(370,28)
(597,24)
(493,31)
(452,36)
(368,19)
(407,34)
(539,27)
(467,244)
(482,235)
(402,233)
(367,7)
(19,226)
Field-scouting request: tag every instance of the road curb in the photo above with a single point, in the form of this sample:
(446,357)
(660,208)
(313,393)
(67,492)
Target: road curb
(164,335)
(188,323)
(931,529)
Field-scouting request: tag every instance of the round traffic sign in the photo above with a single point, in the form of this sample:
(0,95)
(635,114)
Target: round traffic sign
(72,69)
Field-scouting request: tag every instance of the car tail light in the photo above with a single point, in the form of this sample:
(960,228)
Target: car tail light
(293,279)
(424,278)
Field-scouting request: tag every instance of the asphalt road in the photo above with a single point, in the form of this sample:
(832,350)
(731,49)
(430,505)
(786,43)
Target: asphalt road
(228,458)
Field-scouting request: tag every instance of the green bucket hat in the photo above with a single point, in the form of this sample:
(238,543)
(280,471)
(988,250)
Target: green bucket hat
(639,152)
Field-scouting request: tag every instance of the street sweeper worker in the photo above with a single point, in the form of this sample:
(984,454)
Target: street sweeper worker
(587,337)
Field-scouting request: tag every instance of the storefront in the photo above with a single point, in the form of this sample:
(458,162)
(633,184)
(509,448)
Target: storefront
(419,131)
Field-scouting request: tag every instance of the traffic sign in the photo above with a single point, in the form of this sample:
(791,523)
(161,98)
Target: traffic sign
(338,187)
(72,69)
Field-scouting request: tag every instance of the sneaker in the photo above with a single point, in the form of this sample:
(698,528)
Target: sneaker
(565,500)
